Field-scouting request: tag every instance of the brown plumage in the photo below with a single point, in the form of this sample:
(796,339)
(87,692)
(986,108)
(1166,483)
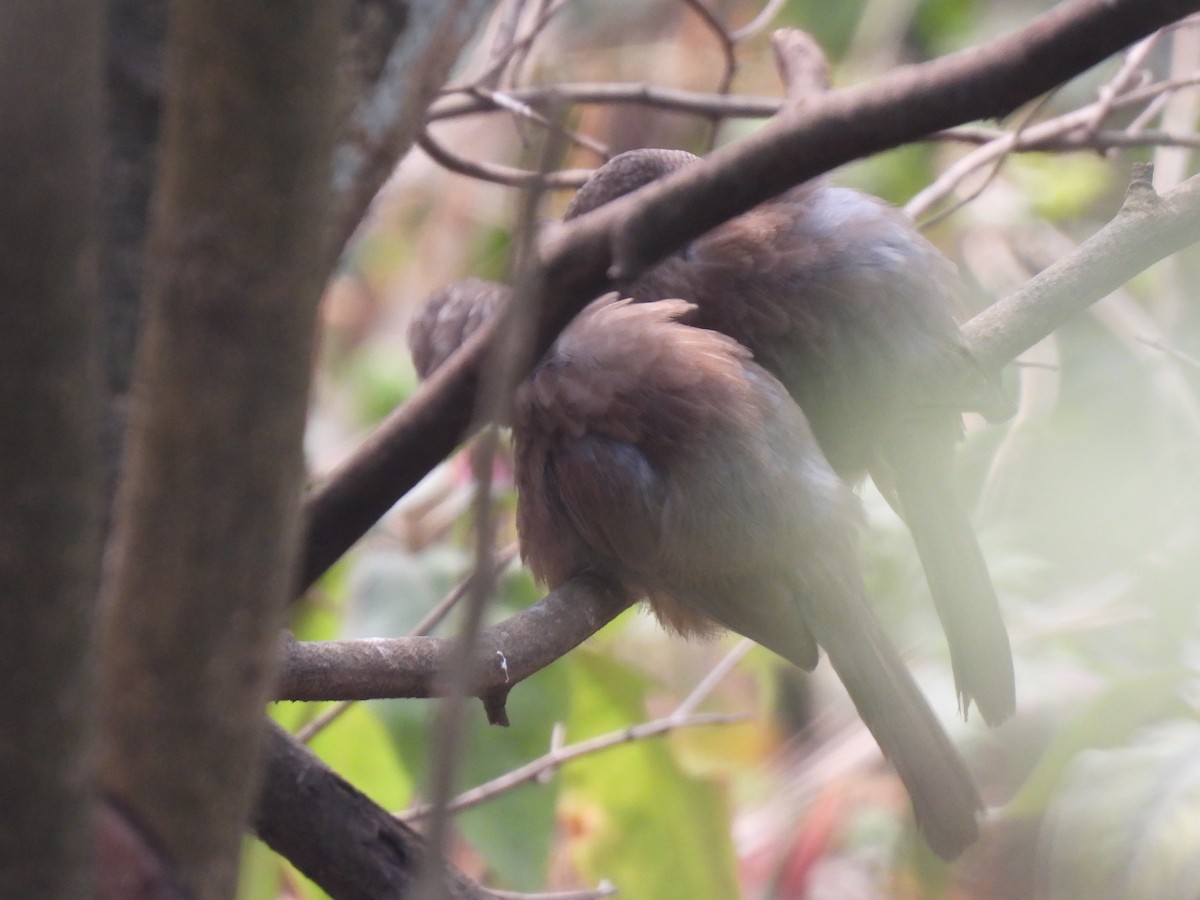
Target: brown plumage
(663,456)
(447,317)
(840,298)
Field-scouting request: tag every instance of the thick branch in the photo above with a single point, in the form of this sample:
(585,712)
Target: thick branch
(386,122)
(352,848)
(1147,229)
(627,235)
(505,655)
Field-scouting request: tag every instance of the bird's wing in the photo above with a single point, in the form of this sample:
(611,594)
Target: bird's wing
(611,496)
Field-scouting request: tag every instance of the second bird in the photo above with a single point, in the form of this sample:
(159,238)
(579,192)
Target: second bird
(852,309)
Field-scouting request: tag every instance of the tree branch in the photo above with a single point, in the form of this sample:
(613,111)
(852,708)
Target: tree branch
(1148,228)
(387,120)
(338,837)
(505,654)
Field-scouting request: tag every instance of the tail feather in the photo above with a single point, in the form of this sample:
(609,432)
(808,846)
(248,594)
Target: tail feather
(959,582)
(945,800)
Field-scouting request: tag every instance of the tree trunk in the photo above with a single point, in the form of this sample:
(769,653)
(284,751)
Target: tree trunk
(205,531)
(49,453)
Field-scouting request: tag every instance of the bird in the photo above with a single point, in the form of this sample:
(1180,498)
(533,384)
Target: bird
(663,457)
(444,320)
(841,298)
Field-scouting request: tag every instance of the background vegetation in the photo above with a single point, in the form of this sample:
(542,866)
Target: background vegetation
(1086,507)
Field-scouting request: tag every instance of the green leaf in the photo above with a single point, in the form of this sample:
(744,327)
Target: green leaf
(514,831)
(636,818)
(390,591)
(359,748)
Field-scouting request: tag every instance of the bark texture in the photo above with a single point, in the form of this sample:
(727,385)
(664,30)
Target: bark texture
(206,516)
(49,462)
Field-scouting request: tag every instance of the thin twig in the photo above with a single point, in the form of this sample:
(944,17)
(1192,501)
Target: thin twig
(728,55)
(683,716)
(709,682)
(548,762)
(500,561)
(498,174)
(502,41)
(525,111)
(522,53)
(1121,82)
(1171,351)
(603,889)
(765,17)
(1001,150)
(463,102)
(1100,141)
(1033,136)
(500,61)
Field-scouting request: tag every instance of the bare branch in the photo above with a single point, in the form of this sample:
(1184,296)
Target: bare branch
(698,103)
(336,835)
(1097,140)
(505,50)
(496,173)
(505,654)
(764,18)
(548,763)
(604,890)
(1147,228)
(729,60)
(1072,130)
(1125,78)
(385,123)
(684,716)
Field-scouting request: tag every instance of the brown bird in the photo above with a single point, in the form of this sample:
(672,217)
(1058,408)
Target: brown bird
(839,297)
(448,316)
(662,456)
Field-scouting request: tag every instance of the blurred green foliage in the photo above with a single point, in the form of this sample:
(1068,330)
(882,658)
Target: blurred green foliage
(636,818)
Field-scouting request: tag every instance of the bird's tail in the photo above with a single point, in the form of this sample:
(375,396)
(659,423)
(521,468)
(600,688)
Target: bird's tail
(945,800)
(958,577)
